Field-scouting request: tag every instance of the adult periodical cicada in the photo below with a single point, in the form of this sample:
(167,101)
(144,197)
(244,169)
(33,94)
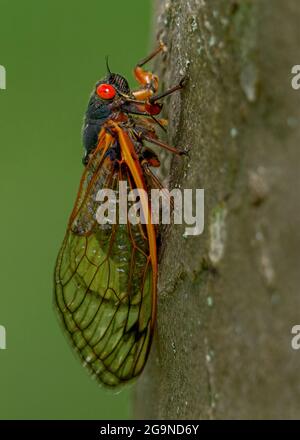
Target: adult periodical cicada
(106,274)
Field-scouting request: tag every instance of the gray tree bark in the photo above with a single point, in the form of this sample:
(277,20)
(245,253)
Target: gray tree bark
(229,297)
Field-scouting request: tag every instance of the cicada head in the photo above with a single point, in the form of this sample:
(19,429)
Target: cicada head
(111,87)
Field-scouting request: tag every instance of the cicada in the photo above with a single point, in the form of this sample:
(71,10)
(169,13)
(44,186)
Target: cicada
(106,274)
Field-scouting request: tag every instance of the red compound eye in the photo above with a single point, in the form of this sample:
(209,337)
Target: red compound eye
(106,91)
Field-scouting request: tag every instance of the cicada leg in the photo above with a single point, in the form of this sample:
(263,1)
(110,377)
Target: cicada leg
(148,135)
(156,183)
(163,145)
(147,79)
(179,86)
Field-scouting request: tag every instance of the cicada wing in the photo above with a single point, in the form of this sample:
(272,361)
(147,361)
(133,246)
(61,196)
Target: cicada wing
(104,286)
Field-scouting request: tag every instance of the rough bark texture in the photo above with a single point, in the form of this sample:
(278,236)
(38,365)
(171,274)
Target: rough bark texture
(229,297)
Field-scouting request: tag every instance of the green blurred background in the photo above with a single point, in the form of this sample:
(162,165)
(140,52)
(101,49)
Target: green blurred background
(53,52)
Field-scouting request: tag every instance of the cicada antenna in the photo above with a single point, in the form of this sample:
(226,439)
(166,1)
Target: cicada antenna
(107,65)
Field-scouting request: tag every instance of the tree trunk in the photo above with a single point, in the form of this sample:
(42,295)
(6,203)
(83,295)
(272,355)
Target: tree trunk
(229,297)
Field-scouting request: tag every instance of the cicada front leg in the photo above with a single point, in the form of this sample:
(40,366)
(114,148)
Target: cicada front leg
(147,79)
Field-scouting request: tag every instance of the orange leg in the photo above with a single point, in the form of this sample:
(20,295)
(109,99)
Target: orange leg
(156,183)
(147,79)
(161,144)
